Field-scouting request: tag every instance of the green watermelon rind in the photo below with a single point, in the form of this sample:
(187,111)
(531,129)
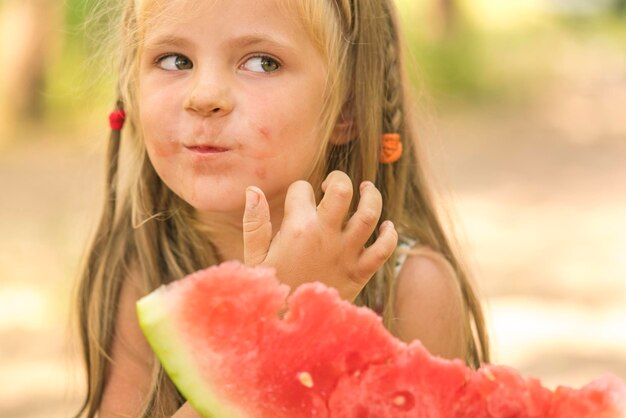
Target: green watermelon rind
(159,327)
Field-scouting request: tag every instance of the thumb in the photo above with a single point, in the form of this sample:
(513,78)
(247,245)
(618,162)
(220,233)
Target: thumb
(257,227)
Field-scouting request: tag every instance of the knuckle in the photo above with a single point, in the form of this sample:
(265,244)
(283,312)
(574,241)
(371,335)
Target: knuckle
(342,191)
(252,226)
(368,217)
(381,253)
(299,230)
(380,256)
(356,275)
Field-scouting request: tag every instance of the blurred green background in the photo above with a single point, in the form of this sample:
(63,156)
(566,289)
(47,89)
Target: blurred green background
(521,108)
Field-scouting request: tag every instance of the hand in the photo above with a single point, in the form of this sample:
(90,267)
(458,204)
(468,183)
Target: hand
(315,243)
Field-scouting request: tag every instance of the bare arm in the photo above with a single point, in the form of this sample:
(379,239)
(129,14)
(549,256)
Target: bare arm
(429,305)
(128,382)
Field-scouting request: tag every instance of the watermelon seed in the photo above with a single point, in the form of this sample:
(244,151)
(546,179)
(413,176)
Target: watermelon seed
(403,400)
(306,379)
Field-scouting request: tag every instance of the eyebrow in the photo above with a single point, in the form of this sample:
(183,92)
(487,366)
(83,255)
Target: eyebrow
(258,39)
(168,40)
(244,41)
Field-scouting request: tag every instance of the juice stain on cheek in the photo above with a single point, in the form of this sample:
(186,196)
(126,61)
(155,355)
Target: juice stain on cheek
(262,148)
(261,145)
(163,148)
(265,133)
(265,147)
(261,173)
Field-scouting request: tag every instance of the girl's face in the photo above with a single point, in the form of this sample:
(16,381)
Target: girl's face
(230,94)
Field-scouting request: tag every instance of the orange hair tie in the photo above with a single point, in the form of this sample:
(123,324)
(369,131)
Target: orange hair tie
(391,150)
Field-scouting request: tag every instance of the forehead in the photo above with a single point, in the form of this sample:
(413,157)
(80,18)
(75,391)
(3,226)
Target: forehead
(154,12)
(311,17)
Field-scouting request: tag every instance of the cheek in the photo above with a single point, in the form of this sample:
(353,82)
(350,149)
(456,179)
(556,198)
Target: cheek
(266,137)
(156,141)
(156,129)
(265,133)
(261,173)
(279,131)
(160,148)
(284,142)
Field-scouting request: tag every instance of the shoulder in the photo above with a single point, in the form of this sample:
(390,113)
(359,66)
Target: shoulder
(429,304)
(131,365)
(127,332)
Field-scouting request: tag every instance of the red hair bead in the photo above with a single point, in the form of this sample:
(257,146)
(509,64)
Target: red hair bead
(116,120)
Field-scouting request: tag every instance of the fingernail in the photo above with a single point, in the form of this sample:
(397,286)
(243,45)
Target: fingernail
(252,198)
(387,225)
(364,185)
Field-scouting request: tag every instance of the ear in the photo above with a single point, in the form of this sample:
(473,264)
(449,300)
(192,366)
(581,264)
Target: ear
(345,129)
(342,134)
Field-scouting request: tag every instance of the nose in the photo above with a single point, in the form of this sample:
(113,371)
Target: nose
(209,95)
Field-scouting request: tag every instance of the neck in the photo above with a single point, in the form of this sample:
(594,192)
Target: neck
(226,234)
(225,230)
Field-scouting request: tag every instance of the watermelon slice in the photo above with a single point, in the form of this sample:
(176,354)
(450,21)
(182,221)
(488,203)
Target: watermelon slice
(224,338)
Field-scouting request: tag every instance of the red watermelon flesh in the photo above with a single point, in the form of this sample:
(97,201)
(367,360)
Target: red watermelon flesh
(220,335)
(502,392)
(226,325)
(413,385)
(599,399)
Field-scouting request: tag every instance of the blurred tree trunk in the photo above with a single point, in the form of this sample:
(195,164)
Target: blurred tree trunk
(29,35)
(445,18)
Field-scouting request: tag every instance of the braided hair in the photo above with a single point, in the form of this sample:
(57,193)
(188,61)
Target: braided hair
(377,100)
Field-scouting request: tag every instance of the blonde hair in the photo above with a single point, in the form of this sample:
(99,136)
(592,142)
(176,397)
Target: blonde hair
(147,229)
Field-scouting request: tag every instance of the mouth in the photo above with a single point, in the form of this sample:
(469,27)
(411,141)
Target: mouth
(205,149)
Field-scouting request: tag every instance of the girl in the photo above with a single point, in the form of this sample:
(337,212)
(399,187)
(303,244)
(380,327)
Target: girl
(249,124)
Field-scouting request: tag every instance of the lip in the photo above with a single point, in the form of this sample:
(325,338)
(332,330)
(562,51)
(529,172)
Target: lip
(206,149)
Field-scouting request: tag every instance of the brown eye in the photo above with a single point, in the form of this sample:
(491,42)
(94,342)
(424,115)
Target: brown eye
(175,63)
(261,64)
(269,65)
(183,63)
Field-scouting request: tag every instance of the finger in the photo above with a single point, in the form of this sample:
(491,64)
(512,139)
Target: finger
(374,256)
(299,201)
(257,227)
(363,223)
(335,204)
